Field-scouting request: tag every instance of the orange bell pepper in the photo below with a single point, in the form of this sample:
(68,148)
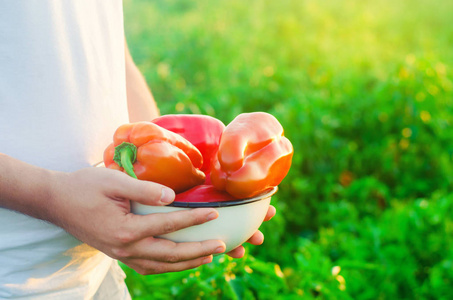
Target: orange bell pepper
(253,155)
(147,151)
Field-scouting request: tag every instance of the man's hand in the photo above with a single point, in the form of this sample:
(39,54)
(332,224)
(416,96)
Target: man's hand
(93,205)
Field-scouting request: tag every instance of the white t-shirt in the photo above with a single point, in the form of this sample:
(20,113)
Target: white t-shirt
(62,95)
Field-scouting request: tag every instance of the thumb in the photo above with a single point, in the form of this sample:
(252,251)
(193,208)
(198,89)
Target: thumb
(144,192)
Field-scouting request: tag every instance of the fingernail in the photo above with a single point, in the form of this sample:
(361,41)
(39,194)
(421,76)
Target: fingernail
(211,216)
(207,260)
(219,249)
(168,195)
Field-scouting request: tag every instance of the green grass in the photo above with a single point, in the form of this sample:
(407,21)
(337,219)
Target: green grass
(364,90)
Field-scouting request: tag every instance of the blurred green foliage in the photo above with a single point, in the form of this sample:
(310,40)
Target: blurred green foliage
(364,90)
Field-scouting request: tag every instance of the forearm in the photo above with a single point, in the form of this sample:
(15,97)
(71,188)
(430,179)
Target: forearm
(140,101)
(26,188)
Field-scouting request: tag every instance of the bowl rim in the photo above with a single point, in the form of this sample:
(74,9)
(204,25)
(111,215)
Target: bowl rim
(264,195)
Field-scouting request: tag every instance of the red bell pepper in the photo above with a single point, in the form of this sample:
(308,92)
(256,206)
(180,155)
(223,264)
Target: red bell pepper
(147,151)
(202,131)
(203,193)
(253,155)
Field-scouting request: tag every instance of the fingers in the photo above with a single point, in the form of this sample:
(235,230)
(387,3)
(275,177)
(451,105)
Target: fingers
(145,192)
(147,267)
(166,251)
(157,255)
(237,252)
(162,223)
(256,239)
(270,213)
(154,256)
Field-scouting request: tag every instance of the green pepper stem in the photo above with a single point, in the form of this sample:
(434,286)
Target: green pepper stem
(125,156)
(126,161)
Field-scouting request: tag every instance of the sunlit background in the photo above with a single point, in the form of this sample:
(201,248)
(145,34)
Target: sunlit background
(364,90)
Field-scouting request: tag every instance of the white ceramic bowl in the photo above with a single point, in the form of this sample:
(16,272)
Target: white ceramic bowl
(238,220)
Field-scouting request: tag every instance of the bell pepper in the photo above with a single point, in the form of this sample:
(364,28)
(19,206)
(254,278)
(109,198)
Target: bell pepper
(200,130)
(203,193)
(147,151)
(253,155)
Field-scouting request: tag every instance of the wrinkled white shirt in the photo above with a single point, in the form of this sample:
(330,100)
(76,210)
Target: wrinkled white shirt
(62,95)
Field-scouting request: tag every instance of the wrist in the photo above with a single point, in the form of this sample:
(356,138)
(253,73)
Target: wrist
(52,197)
